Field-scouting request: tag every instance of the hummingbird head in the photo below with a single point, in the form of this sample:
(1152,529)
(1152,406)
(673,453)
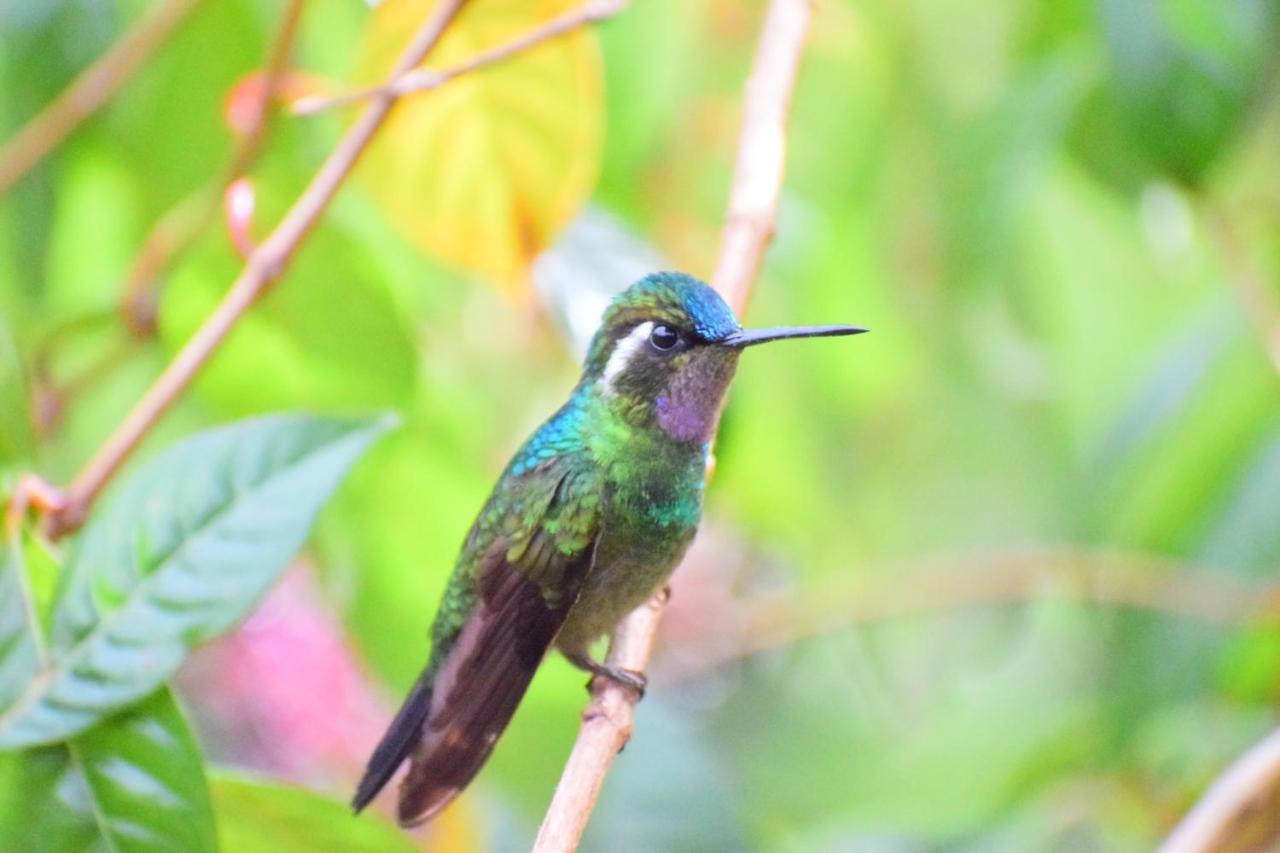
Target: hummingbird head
(667,349)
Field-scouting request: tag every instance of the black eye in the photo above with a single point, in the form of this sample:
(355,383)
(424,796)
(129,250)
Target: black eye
(664,337)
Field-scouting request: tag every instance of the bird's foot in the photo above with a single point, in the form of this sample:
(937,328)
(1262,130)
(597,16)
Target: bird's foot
(637,681)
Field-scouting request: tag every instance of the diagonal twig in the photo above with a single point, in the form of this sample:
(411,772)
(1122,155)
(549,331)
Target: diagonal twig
(266,265)
(753,204)
(90,90)
(423,79)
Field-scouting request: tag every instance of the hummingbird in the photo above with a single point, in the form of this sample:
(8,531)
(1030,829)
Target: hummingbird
(586,522)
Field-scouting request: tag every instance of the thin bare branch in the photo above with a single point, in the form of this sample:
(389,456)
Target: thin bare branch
(90,90)
(422,79)
(606,728)
(266,265)
(1240,811)
(753,203)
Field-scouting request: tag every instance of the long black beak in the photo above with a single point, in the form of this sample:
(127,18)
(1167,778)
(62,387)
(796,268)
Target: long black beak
(750,337)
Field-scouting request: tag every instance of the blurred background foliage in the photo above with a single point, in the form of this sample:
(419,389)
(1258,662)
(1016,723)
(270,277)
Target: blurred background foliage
(1059,219)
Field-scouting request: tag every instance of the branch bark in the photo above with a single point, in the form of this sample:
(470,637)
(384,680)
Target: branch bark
(266,265)
(422,79)
(90,90)
(753,204)
(1240,811)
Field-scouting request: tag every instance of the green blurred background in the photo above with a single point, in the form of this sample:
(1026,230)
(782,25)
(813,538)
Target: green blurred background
(1058,218)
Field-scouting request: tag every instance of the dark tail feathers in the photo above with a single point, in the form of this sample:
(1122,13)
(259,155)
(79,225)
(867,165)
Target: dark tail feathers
(402,736)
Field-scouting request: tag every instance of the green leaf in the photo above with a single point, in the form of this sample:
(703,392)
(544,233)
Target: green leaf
(19,644)
(184,551)
(134,783)
(44,803)
(144,774)
(265,816)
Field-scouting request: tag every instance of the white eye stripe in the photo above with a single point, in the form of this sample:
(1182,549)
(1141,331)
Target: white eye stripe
(623,352)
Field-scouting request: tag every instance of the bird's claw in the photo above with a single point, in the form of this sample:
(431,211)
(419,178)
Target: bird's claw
(637,681)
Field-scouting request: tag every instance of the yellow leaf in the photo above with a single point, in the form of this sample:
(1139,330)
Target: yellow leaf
(484,171)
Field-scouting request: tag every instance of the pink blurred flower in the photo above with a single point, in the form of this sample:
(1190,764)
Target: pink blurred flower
(283,693)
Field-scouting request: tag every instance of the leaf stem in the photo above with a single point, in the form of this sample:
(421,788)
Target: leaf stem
(749,223)
(30,492)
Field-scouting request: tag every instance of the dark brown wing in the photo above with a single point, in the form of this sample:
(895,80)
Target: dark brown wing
(477,690)
(525,583)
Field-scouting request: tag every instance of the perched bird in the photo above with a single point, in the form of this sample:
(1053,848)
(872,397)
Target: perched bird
(586,522)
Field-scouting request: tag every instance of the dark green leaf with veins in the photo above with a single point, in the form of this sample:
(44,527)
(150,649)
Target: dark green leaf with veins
(133,783)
